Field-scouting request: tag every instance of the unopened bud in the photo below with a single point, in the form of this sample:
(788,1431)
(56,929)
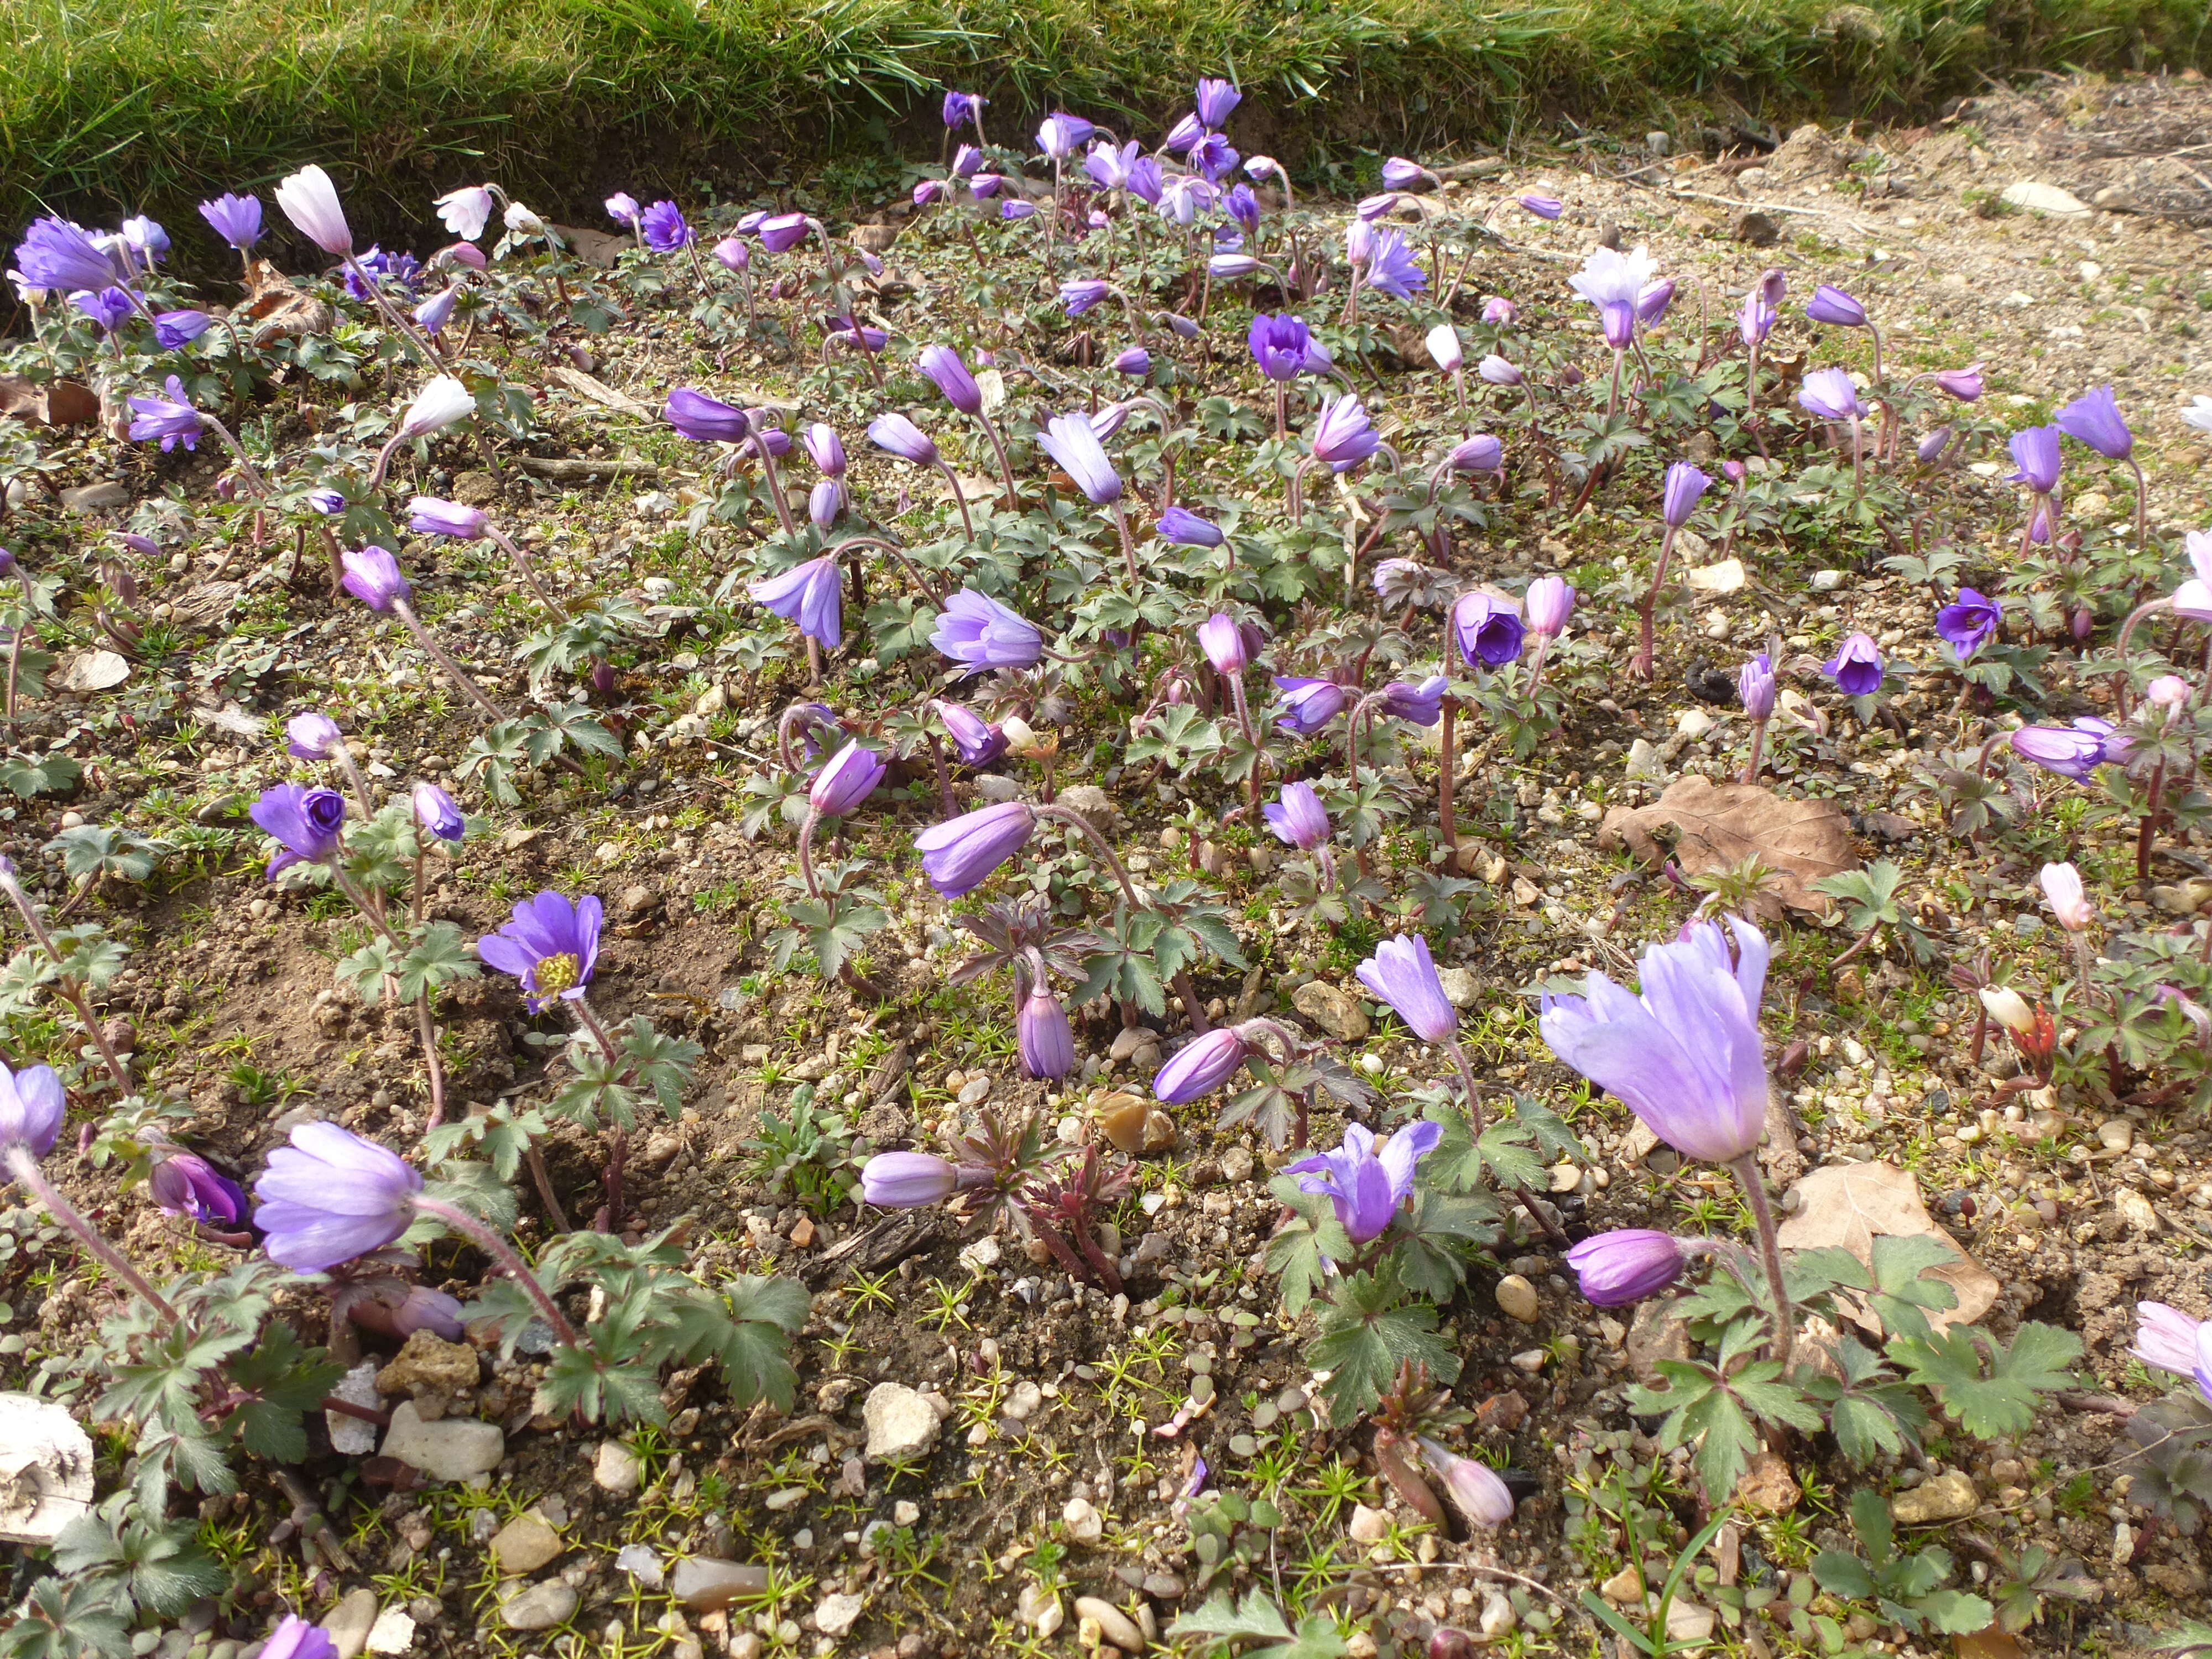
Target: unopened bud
(2008,1008)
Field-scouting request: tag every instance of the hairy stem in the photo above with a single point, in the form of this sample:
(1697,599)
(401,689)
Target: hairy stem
(25,1167)
(1785,1319)
(489,1240)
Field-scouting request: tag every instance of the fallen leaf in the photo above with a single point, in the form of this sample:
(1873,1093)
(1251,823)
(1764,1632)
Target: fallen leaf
(1990,1643)
(593,246)
(1722,824)
(278,310)
(1846,1205)
(1767,1485)
(58,403)
(46,1469)
(597,391)
(94,670)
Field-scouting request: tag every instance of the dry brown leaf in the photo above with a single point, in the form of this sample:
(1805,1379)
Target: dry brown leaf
(58,403)
(1846,1205)
(593,246)
(596,390)
(1991,1644)
(1722,824)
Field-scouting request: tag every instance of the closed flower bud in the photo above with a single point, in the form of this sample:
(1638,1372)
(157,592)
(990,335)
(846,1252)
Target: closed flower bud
(2008,1007)
(1042,1035)
(1615,1268)
(1223,643)
(906,1181)
(1475,1492)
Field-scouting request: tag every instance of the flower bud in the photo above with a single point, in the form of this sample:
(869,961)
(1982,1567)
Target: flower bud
(2008,1008)
(906,1181)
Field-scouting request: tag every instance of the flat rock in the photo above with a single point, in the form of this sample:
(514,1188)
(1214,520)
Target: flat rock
(451,1449)
(1755,228)
(702,1585)
(87,498)
(1116,1625)
(1335,1011)
(2035,197)
(351,1435)
(46,1469)
(614,1468)
(1688,1622)
(430,1364)
(540,1606)
(642,1564)
(348,1623)
(524,1545)
(901,1422)
(1657,1335)
(1945,1497)
(392,1633)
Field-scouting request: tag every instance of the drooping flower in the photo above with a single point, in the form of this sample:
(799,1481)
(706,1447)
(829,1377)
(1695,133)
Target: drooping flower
(825,449)
(56,254)
(1403,973)
(2071,752)
(442,401)
(236,219)
(906,1181)
(551,944)
(1969,622)
(2063,891)
(975,739)
(330,1196)
(1061,135)
(1422,703)
(1200,1065)
(1480,453)
(1079,294)
(2095,419)
(427,515)
(1223,641)
(1963,384)
(1549,602)
(108,307)
(308,825)
(1297,817)
(809,594)
(958,855)
(2193,599)
(32,1104)
(899,436)
(372,575)
(1755,688)
(465,211)
(438,812)
(2035,452)
(1473,1489)
(1830,394)
(824,501)
(1544,207)
(310,201)
(950,375)
(976,630)
(1684,484)
(1186,529)
(1365,1187)
(622,207)
(1041,1035)
(172,419)
(1278,343)
(1072,442)
(1132,361)
(1755,320)
(1488,630)
(1496,370)
(1343,436)
(960,108)
(1831,305)
(1652,302)
(1857,666)
(186,1184)
(434,313)
(1684,1055)
(1308,704)
(845,780)
(1627,1265)
(702,419)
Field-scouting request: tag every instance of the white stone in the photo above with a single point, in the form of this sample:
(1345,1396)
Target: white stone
(1460,988)
(1643,760)
(1516,1299)
(614,1468)
(1498,1618)
(451,1449)
(1827,581)
(835,1614)
(2136,1209)
(2039,198)
(984,1252)
(642,1564)
(352,1435)
(540,1606)
(1367,1526)
(1726,577)
(1694,723)
(901,1422)
(1085,1524)
(392,1633)
(46,1469)
(348,1623)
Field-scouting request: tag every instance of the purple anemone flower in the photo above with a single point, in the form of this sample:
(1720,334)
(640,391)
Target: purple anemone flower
(845,780)
(1186,529)
(175,329)
(2071,752)
(311,736)
(1830,394)
(1422,703)
(172,419)
(1480,453)
(1079,294)
(1831,305)
(1200,1065)
(551,944)
(236,219)
(1969,622)
(1297,817)
(372,575)
(427,515)
(1278,343)
(1544,207)
(663,230)
(975,739)
(809,594)
(899,436)
(2035,452)
(958,855)
(56,254)
(950,375)
(308,825)
(1308,705)
(1216,98)
(108,307)
(702,419)
(186,1184)
(1343,436)
(1366,1187)
(330,1196)
(1061,135)
(1134,361)
(2095,419)
(1073,443)
(1392,269)
(780,232)
(32,1104)
(1684,1055)
(976,630)
(1627,1265)
(906,1181)
(1857,666)
(1549,602)
(1963,384)
(960,108)
(1403,973)
(1223,641)
(1041,1035)
(1684,484)
(1488,630)
(438,812)
(1755,688)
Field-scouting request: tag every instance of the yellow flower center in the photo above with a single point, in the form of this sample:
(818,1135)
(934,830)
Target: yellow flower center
(556,973)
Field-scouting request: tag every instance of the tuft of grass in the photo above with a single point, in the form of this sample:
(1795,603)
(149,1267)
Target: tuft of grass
(109,105)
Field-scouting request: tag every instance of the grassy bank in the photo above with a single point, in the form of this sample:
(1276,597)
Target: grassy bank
(106,104)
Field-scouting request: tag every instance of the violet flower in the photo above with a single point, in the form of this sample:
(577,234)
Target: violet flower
(2035,452)
(1079,294)
(171,419)
(2071,752)
(960,108)
(330,1196)
(1309,704)
(1279,344)
(809,594)
(311,736)
(1474,1490)
(107,306)
(2095,419)
(825,449)
(1969,622)
(1364,1187)
(33,1105)
(975,739)
(1200,1065)
(2168,1339)
(1963,384)
(1343,437)
(1186,529)
(1480,453)
(780,232)
(662,227)
(1685,1055)
(175,329)
(372,575)
(1857,666)
(1060,134)
(1496,370)
(427,515)
(1627,1265)
(1133,361)
(906,1181)
(1392,269)
(1423,704)
(1684,484)
(1071,443)
(308,825)
(1488,631)
(1544,207)
(236,219)
(950,375)
(1041,1035)
(438,812)
(845,780)
(976,630)
(56,254)
(1755,688)
(1549,603)
(294,1636)
(702,419)
(1216,98)
(186,1184)
(1830,394)
(551,944)
(1297,818)
(1402,973)
(899,436)
(1831,305)
(958,855)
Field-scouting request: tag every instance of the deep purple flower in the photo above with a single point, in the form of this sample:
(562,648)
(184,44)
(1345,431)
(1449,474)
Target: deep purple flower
(1963,384)
(1079,294)
(899,436)
(1308,704)
(551,944)
(308,825)
(328,501)
(1146,183)
(960,108)
(976,630)
(1969,622)
(1200,1065)
(427,515)
(1041,1035)
(186,1184)
(1184,133)
(2095,419)
(950,375)
(1392,269)
(1364,1187)
(1857,666)
(1755,688)
(108,307)
(1480,453)
(2071,752)
(330,1196)
(780,232)
(1830,394)
(958,855)
(1243,207)
(809,594)
(1831,305)
(663,228)
(2035,452)
(1549,602)
(845,780)
(175,329)
(1017,210)
(236,219)
(438,812)
(1627,1265)
(1652,300)
(1214,157)
(171,419)
(1684,484)
(1488,631)
(55,254)
(1399,174)
(1544,207)
(32,1107)
(975,739)
(1297,817)
(1342,436)
(1422,703)
(1279,344)
(1135,360)
(1061,135)
(1216,98)
(1684,1055)
(1186,529)
(372,575)
(1071,442)
(702,419)
(1933,444)
(1402,973)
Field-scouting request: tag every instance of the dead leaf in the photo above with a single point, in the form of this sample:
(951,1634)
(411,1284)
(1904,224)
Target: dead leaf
(1767,1485)
(597,391)
(94,670)
(279,311)
(1722,824)
(1846,1205)
(1990,1643)
(58,403)
(594,246)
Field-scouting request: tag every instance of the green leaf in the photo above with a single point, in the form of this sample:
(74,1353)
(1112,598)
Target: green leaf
(1876,1526)
(1841,1573)
(365,971)
(438,958)
(1366,1333)
(1725,1441)
(1956,1612)
(1999,1401)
